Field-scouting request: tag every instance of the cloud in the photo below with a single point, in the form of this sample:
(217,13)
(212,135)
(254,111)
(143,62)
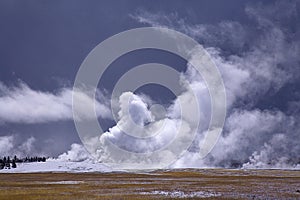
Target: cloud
(246,132)
(6,145)
(256,61)
(11,145)
(270,60)
(134,107)
(156,134)
(252,139)
(77,153)
(21,104)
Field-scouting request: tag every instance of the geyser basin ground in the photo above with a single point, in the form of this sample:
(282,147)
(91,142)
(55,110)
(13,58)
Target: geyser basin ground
(161,184)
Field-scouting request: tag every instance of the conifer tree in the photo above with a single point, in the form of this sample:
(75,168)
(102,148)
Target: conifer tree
(13,165)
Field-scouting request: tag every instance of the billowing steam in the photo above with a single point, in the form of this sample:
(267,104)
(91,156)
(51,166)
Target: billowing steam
(253,136)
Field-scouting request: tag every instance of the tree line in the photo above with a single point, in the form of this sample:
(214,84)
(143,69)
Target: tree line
(7,162)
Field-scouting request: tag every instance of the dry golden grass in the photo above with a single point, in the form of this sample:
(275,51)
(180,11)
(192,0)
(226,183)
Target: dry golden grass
(226,184)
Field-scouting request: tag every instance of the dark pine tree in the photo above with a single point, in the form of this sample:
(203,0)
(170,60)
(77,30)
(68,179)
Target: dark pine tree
(2,164)
(7,165)
(13,164)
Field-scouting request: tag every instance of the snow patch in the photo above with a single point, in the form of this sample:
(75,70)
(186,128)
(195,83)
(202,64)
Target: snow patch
(63,182)
(53,165)
(181,194)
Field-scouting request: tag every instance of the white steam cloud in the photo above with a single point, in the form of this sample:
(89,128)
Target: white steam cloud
(11,145)
(22,104)
(77,153)
(140,121)
(252,137)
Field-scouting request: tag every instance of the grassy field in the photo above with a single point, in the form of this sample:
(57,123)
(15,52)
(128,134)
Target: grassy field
(189,184)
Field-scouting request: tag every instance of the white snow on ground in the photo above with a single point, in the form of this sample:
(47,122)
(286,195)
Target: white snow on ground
(181,194)
(58,166)
(63,182)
